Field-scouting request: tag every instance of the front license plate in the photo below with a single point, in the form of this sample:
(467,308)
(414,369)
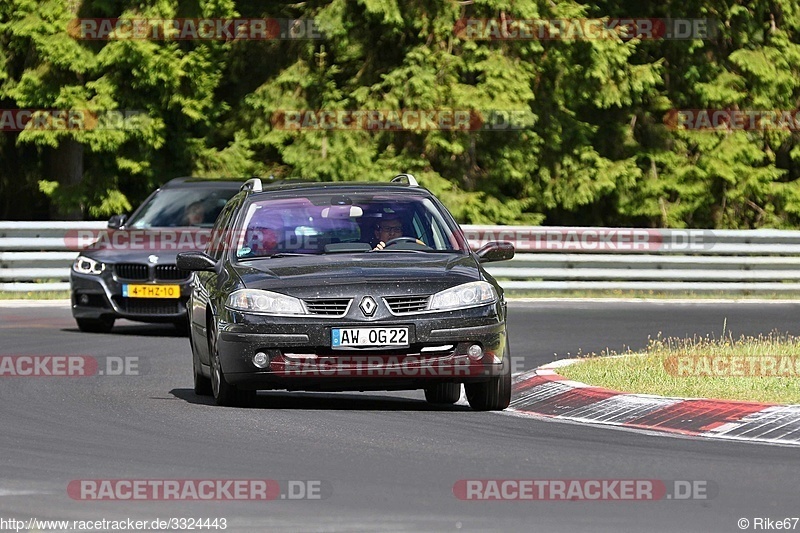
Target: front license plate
(369,337)
(151,291)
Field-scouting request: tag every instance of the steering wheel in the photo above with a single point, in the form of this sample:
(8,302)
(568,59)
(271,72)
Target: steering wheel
(400,239)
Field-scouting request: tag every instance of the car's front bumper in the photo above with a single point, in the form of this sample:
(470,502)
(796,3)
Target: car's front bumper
(100,296)
(301,357)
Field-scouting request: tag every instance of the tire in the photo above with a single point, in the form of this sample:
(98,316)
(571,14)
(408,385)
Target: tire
(95,325)
(202,384)
(224,393)
(443,393)
(492,395)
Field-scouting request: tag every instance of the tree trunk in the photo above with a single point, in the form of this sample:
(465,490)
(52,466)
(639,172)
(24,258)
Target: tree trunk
(65,165)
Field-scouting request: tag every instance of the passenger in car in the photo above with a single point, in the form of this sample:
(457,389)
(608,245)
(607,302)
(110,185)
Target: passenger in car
(264,236)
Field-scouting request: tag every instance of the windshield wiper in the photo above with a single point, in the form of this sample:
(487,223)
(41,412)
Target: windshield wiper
(419,251)
(286,254)
(400,250)
(273,256)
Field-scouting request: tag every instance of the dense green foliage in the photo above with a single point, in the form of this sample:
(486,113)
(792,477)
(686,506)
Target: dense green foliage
(598,152)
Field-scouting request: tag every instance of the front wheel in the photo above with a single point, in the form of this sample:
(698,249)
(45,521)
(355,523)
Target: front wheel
(202,384)
(492,395)
(443,393)
(224,393)
(95,325)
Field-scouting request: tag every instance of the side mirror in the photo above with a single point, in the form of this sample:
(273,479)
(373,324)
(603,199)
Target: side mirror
(117,221)
(495,251)
(196,261)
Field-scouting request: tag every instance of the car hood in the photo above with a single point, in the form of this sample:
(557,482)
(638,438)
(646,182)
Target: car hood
(322,275)
(140,246)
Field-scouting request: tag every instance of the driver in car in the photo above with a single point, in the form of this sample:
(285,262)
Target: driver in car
(194,215)
(387,229)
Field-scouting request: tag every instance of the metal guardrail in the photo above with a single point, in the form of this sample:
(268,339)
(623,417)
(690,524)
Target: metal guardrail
(36,256)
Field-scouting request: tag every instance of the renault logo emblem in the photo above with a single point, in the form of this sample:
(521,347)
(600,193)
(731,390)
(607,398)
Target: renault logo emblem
(368,306)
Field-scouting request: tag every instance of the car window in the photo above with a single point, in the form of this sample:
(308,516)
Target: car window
(310,224)
(222,232)
(181,207)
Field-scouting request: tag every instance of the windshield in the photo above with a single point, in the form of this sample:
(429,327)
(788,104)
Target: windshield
(182,207)
(335,223)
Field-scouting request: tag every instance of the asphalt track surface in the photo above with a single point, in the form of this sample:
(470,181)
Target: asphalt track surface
(387,461)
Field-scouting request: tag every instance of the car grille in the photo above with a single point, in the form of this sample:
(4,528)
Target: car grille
(131,271)
(402,305)
(148,306)
(138,272)
(328,307)
(171,272)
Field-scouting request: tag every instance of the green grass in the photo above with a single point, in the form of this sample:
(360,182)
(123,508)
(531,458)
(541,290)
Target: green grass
(704,295)
(655,370)
(34,295)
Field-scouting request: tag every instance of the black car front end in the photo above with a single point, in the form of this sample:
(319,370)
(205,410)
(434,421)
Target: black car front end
(434,318)
(348,287)
(129,270)
(261,351)
(145,288)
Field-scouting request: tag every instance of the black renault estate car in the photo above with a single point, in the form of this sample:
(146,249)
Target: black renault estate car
(128,271)
(346,286)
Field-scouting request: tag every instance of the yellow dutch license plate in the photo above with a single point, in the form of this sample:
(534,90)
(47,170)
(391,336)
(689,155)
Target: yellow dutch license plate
(151,291)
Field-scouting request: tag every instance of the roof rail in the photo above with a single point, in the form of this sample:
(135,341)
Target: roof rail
(252,185)
(410,180)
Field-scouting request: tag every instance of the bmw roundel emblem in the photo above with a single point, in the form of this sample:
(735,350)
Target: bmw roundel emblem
(153,259)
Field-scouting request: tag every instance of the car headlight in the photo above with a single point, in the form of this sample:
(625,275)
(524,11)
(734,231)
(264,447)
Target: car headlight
(259,301)
(462,296)
(86,265)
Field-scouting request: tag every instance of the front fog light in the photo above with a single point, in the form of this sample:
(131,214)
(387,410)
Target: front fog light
(475,352)
(261,360)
